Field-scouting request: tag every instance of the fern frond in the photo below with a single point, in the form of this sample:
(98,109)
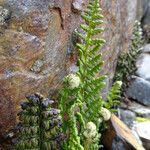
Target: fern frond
(113,96)
(126,65)
(39,126)
(91,64)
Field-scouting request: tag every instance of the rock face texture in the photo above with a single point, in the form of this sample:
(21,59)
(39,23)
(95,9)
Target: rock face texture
(37,46)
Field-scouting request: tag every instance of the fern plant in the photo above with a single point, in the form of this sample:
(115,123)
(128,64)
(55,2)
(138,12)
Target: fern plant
(40,125)
(90,62)
(126,65)
(80,101)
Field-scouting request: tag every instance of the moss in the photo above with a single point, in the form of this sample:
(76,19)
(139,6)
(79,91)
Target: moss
(142,119)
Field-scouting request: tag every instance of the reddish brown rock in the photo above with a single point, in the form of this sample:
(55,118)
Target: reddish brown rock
(34,46)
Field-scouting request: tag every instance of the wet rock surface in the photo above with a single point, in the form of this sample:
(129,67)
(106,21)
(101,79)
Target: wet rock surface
(34,47)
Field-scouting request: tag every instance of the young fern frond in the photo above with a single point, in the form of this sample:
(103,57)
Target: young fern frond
(70,111)
(113,97)
(40,125)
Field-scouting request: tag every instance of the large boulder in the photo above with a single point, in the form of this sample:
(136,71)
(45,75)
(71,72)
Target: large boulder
(37,47)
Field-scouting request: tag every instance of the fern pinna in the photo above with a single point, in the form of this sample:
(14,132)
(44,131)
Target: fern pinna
(40,125)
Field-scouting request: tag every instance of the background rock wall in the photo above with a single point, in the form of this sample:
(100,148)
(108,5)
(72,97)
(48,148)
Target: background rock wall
(37,46)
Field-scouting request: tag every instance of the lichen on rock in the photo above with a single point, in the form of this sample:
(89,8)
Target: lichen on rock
(4,15)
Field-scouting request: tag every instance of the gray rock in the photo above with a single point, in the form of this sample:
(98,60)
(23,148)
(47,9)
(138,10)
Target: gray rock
(146,48)
(143,63)
(141,8)
(146,15)
(140,110)
(139,90)
(127,116)
(143,131)
(120,144)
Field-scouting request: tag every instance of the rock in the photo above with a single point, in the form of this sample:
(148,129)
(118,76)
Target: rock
(78,5)
(139,109)
(142,8)
(143,63)
(127,116)
(118,144)
(146,12)
(118,135)
(139,90)
(146,48)
(143,70)
(4,15)
(143,130)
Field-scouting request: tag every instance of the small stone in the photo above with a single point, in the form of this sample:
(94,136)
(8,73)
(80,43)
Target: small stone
(77,5)
(139,90)
(4,15)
